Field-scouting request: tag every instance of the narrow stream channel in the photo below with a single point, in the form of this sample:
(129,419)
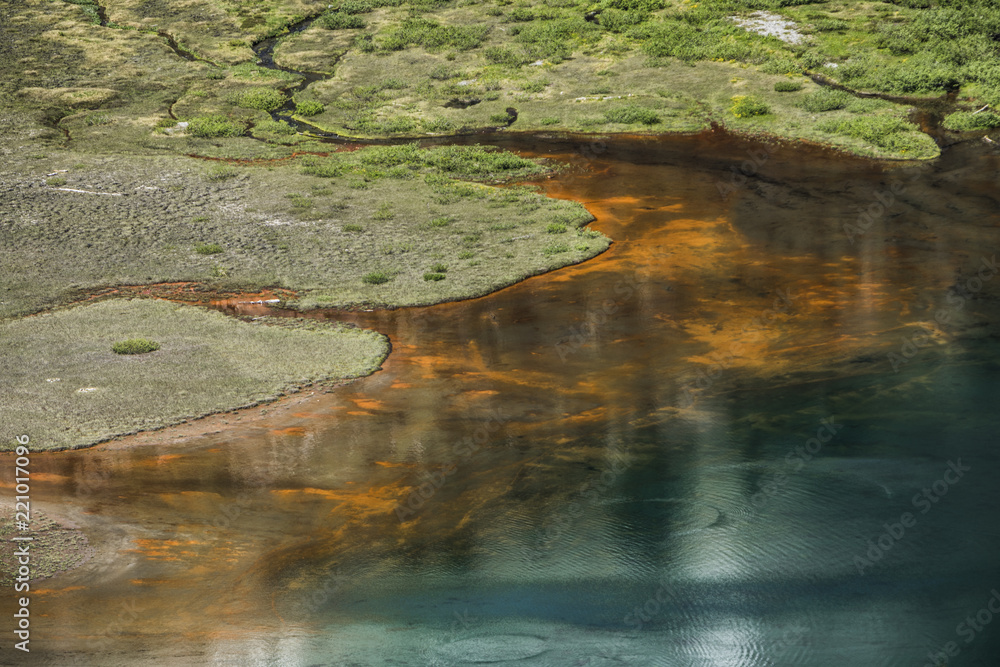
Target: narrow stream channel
(686,451)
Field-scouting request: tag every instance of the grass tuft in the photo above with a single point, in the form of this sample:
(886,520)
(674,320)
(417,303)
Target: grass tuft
(748,105)
(208,249)
(135,346)
(216,126)
(632,114)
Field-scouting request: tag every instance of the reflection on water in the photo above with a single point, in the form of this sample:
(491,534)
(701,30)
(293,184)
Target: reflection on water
(675,454)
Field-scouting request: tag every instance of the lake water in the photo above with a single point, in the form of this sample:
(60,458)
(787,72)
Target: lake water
(673,454)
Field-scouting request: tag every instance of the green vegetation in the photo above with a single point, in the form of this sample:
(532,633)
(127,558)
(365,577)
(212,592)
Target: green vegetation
(300,224)
(967,121)
(309,108)
(825,99)
(884,131)
(426,33)
(208,249)
(632,114)
(341,21)
(263,99)
(208,363)
(215,126)
(434,276)
(412,67)
(97,119)
(376,278)
(555,249)
(787,86)
(748,105)
(135,346)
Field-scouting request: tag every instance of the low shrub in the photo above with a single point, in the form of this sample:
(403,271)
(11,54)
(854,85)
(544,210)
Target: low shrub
(215,126)
(632,114)
(434,276)
(323,167)
(500,55)
(300,202)
(222,172)
(274,127)
(476,161)
(384,212)
(616,20)
(341,21)
(747,105)
(787,86)
(556,228)
(208,249)
(309,108)
(555,249)
(135,346)
(439,268)
(262,99)
(430,35)
(521,15)
(98,119)
(375,278)
(888,132)
(967,121)
(353,228)
(355,7)
(825,99)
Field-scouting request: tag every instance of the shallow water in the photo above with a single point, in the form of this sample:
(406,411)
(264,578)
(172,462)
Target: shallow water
(673,454)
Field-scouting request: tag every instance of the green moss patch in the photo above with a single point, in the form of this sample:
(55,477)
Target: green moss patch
(135,346)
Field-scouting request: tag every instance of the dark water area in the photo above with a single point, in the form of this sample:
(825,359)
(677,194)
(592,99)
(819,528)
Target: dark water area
(759,430)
